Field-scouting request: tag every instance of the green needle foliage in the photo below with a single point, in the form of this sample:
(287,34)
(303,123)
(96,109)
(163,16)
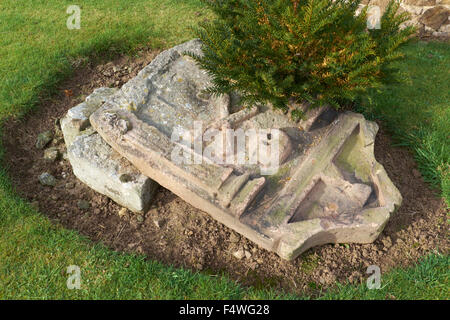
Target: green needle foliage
(290,51)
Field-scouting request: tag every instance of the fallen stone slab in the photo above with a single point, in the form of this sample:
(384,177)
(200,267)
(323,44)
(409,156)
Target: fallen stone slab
(292,187)
(97,165)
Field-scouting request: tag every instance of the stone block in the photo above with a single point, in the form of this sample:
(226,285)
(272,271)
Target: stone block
(97,165)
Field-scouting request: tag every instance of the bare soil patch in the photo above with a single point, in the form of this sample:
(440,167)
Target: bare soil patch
(176,233)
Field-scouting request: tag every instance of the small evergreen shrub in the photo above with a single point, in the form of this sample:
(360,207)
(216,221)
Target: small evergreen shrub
(285,51)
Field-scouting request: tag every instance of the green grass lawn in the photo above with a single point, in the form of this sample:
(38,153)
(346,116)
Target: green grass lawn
(36,53)
(416,110)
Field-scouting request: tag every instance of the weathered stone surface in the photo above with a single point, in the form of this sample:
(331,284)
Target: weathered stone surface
(51,154)
(101,168)
(436,17)
(328,186)
(427,15)
(77,118)
(96,164)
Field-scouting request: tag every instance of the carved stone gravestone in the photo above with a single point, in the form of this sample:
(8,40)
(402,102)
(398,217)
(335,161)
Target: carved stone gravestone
(286,186)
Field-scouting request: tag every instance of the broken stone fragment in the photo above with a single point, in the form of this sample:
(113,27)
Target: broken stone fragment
(46,179)
(122,212)
(97,165)
(239,254)
(70,185)
(44,139)
(77,118)
(51,154)
(83,205)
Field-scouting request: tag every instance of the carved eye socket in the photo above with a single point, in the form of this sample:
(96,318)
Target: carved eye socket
(269,136)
